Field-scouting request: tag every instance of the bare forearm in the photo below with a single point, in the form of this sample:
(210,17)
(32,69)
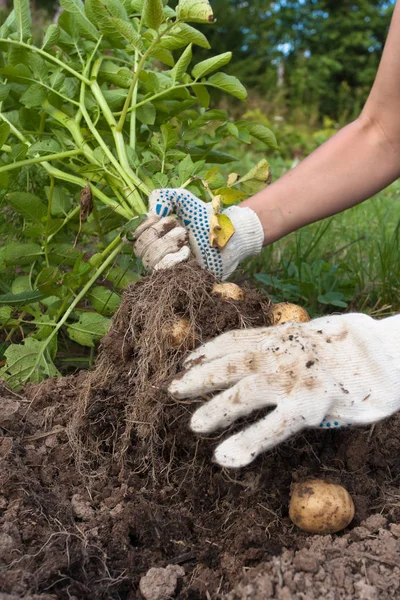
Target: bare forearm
(352,166)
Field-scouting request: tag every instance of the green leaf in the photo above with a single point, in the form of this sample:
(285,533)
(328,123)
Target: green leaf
(169,135)
(146,113)
(19,253)
(4,133)
(260,132)
(16,72)
(29,361)
(202,95)
(77,9)
(211,64)
(21,298)
(4,180)
(9,25)
(116,75)
(4,91)
(182,64)
(18,152)
(163,55)
(28,205)
(22,283)
(61,202)
(212,156)
(23,19)
(185,169)
(5,314)
(195,11)
(90,328)
(115,99)
(44,147)
(103,300)
(153,13)
(51,36)
(183,34)
(228,84)
(34,96)
(107,15)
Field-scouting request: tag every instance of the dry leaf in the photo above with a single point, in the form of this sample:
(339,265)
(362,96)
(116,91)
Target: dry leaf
(86,202)
(221,231)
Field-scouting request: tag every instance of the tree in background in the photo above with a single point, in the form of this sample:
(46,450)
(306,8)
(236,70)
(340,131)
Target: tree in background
(329,49)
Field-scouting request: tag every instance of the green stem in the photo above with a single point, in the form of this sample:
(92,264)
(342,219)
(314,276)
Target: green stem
(135,79)
(81,295)
(68,218)
(134,182)
(132,125)
(47,56)
(163,93)
(39,159)
(48,219)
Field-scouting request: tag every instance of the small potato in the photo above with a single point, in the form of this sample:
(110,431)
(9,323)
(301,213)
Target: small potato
(179,333)
(320,507)
(228,291)
(286,312)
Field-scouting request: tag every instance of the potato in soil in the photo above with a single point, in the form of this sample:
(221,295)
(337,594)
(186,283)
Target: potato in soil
(320,507)
(286,312)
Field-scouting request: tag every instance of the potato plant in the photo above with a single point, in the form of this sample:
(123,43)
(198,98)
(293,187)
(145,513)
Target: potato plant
(110,106)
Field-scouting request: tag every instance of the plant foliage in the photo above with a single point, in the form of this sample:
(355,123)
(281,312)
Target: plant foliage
(107,108)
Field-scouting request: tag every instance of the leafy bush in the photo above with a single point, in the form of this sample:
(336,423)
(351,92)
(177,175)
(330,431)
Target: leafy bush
(108,108)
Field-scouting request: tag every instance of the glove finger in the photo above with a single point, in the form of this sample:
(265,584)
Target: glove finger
(154,233)
(174,258)
(218,375)
(245,339)
(162,202)
(251,393)
(242,448)
(149,222)
(170,242)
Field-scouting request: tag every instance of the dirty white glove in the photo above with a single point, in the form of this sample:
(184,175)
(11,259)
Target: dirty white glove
(332,372)
(163,242)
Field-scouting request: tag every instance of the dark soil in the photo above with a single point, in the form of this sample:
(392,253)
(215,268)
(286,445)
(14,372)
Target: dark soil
(84,515)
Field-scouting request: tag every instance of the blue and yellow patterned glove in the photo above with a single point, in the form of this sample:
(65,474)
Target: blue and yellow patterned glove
(164,241)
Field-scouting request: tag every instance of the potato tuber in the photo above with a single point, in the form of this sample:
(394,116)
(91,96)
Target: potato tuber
(286,312)
(179,333)
(228,291)
(320,507)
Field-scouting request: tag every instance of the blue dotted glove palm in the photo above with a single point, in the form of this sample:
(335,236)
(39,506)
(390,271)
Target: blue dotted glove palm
(163,241)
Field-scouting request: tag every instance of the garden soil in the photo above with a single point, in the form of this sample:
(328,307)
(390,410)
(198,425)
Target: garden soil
(106,494)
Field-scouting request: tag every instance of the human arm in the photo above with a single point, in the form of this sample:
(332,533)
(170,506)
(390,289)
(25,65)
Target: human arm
(356,163)
(332,372)
(353,165)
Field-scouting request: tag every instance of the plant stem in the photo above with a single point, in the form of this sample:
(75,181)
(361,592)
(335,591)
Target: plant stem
(132,125)
(68,218)
(39,159)
(135,79)
(47,56)
(81,294)
(48,219)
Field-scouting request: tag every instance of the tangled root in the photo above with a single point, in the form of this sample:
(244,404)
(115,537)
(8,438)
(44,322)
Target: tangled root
(160,319)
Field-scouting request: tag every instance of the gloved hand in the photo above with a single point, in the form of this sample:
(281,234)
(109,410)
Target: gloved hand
(332,372)
(162,242)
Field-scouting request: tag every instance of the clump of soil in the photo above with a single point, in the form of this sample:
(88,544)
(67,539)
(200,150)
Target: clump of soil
(143,511)
(125,400)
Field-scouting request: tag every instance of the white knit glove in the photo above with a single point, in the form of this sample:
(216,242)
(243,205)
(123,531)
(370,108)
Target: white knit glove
(162,241)
(333,372)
